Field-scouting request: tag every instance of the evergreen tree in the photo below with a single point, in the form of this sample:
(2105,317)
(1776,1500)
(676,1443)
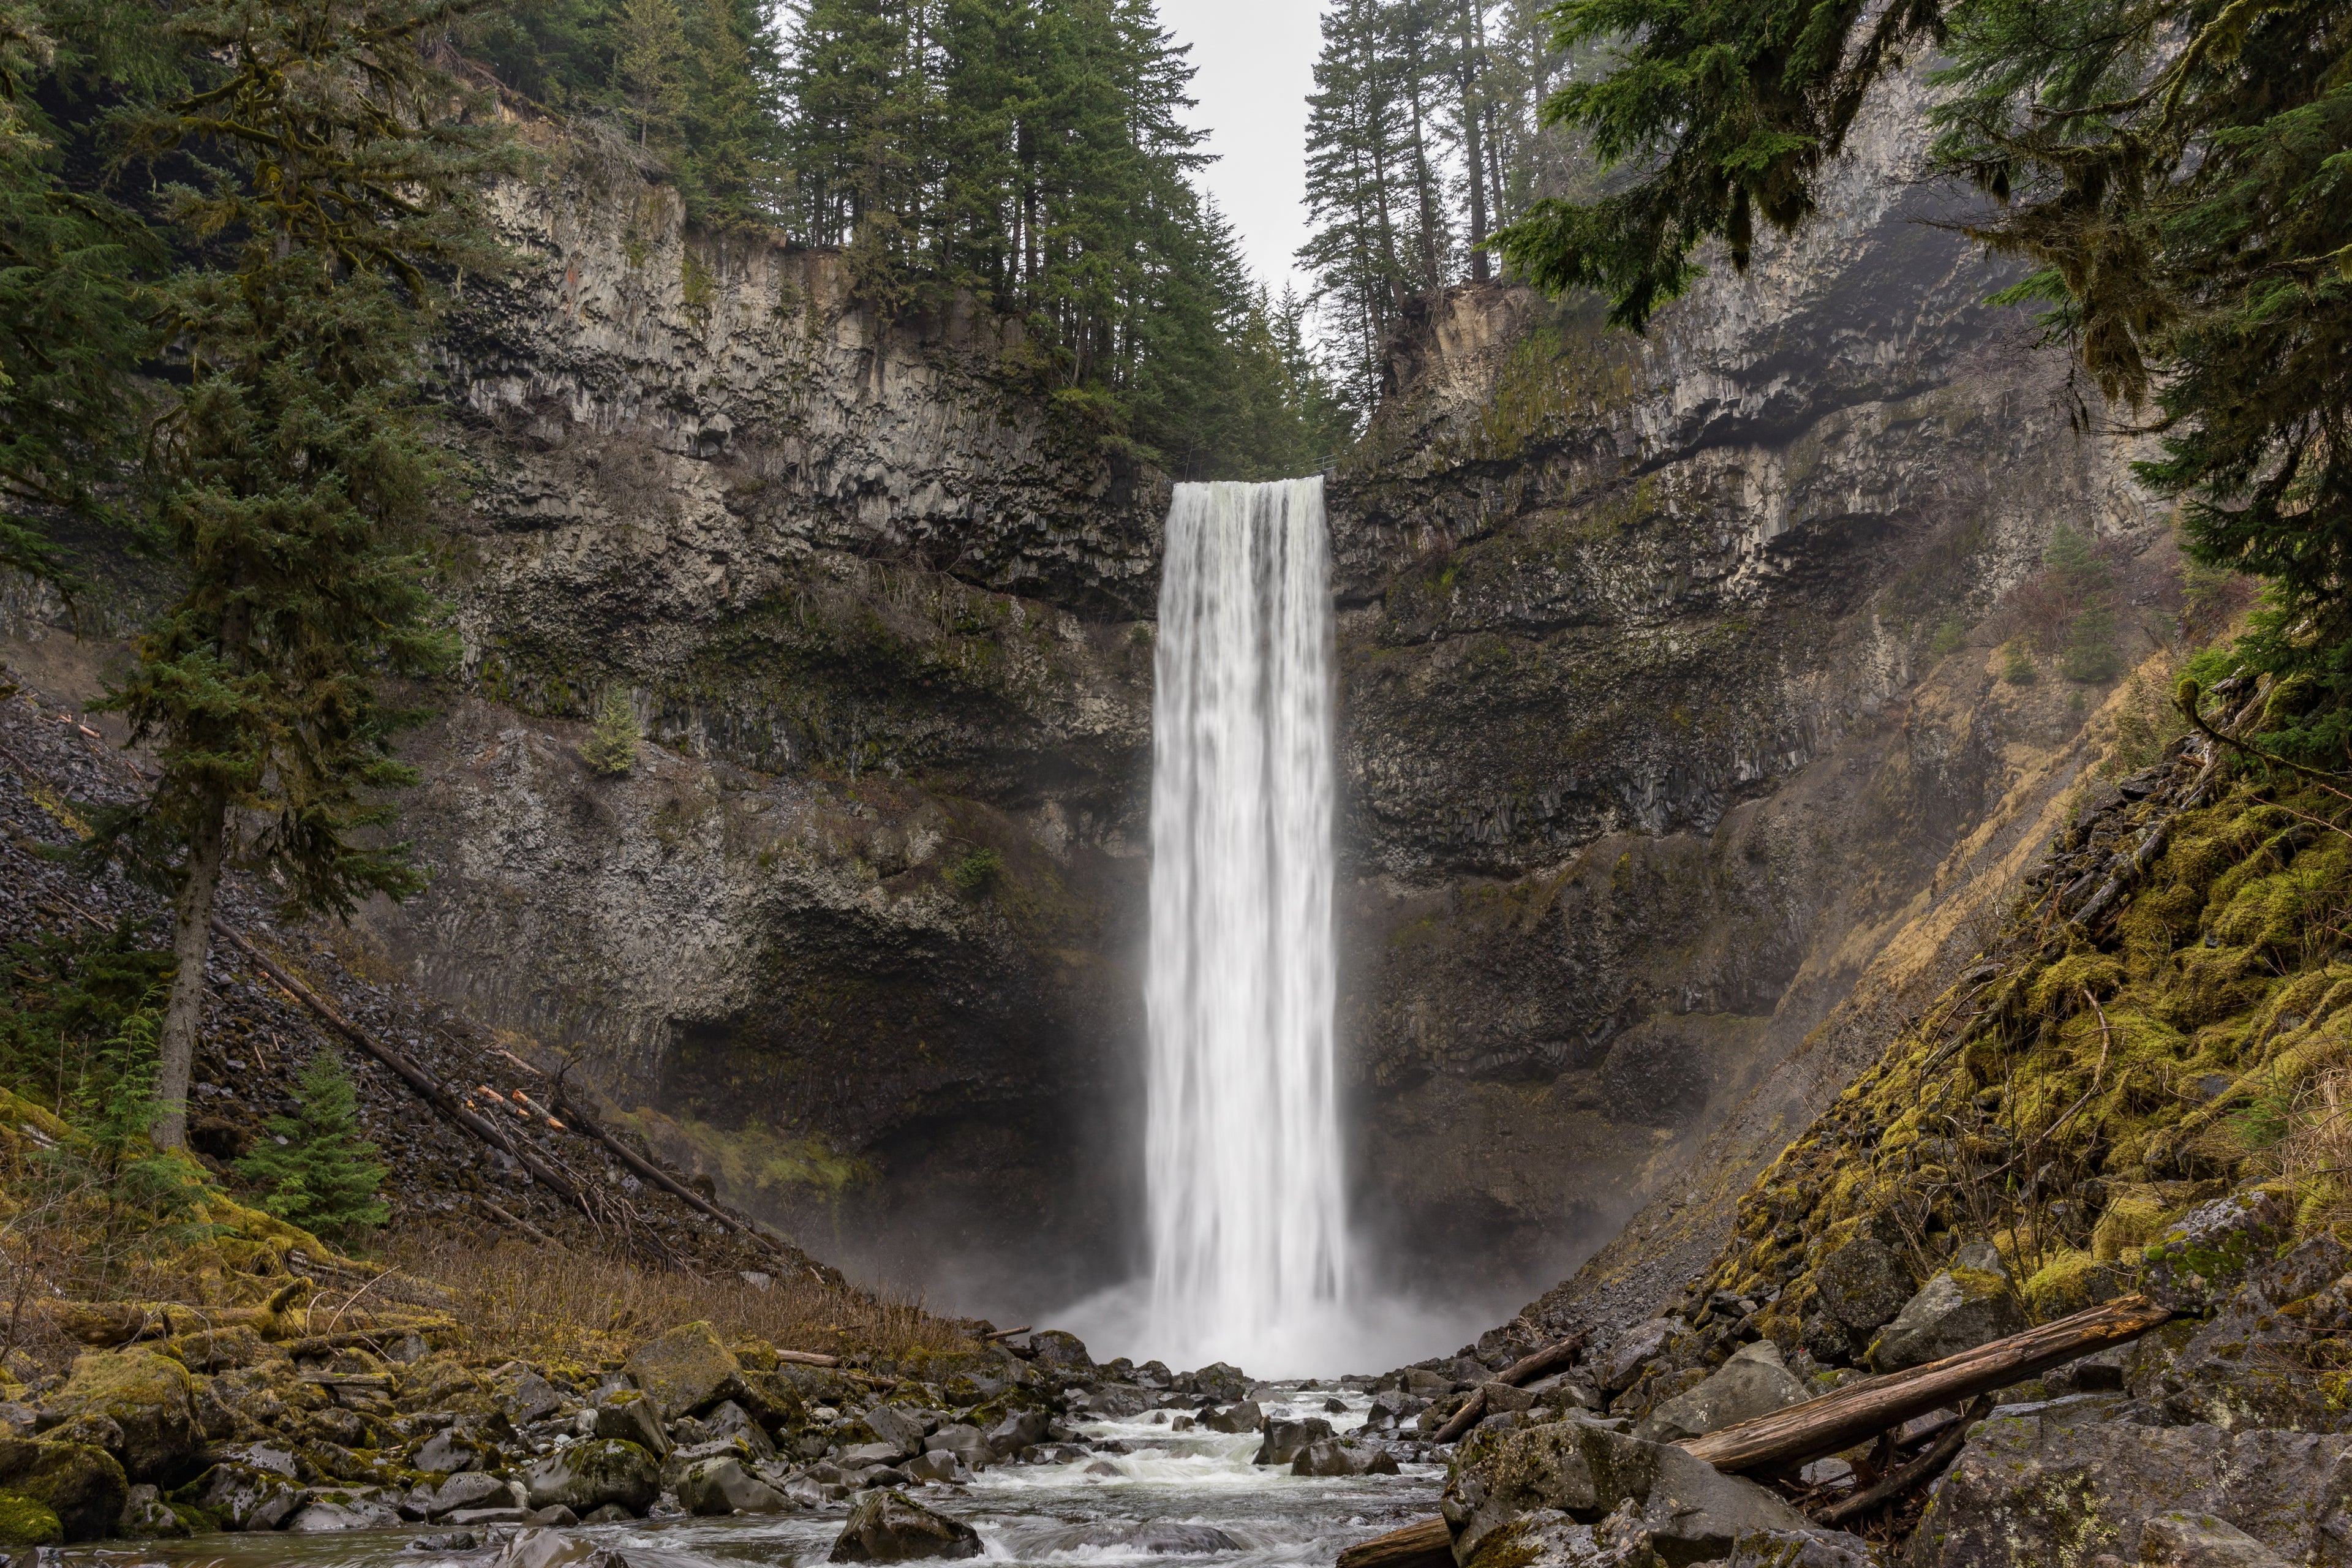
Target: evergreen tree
(649,69)
(321,1175)
(293,477)
(69,336)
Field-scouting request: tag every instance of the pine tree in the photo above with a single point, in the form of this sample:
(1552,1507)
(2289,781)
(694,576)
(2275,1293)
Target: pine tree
(611,748)
(320,1175)
(293,476)
(69,335)
(649,69)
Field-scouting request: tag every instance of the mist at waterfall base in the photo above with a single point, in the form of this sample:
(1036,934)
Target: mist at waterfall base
(1245,1174)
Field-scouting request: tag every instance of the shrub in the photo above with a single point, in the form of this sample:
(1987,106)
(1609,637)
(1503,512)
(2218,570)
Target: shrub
(320,1175)
(975,873)
(2089,653)
(1950,636)
(611,749)
(2017,665)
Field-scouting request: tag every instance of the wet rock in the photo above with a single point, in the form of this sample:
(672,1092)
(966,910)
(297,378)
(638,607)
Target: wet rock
(970,1449)
(544,1548)
(898,1426)
(147,1517)
(891,1527)
(1754,1382)
(1017,1431)
(724,1485)
(1958,1310)
(442,1541)
(84,1486)
(1246,1416)
(242,1496)
(556,1515)
(808,1491)
(475,1517)
(1219,1381)
(1633,1352)
(1693,1511)
(150,1399)
(2204,1256)
(682,1370)
(1801,1549)
(1338,1457)
(589,1475)
(466,1489)
(938,1465)
(2018,1492)
(1285,1439)
(728,1420)
(1548,1538)
(328,1518)
(1159,1536)
(626,1413)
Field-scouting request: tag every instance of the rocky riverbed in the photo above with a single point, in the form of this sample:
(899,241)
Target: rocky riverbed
(224,1448)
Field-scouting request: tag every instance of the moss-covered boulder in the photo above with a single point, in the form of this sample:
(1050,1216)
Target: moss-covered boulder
(150,1398)
(83,1486)
(25,1522)
(684,1369)
(589,1475)
(2205,1255)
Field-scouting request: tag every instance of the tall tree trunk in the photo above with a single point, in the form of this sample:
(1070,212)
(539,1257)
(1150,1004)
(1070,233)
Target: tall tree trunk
(191,942)
(1466,74)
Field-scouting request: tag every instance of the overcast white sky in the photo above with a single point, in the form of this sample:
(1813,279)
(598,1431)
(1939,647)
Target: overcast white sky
(1256,60)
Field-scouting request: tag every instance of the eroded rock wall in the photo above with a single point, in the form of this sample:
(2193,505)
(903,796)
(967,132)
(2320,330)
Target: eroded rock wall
(1643,744)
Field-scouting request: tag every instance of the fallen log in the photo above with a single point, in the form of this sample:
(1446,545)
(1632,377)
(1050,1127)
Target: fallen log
(1527,1369)
(576,1115)
(808,1358)
(1424,1543)
(1859,1410)
(1911,1476)
(430,1089)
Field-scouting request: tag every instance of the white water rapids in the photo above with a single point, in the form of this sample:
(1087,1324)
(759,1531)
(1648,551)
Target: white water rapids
(1248,1218)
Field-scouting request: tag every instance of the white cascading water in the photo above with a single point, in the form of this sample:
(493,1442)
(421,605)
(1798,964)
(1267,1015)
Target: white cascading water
(1243,1158)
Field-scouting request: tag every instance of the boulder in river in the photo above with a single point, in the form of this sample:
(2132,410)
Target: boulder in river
(1246,1416)
(1021,1429)
(891,1527)
(1284,1439)
(466,1489)
(962,1441)
(722,1485)
(729,1419)
(1754,1382)
(626,1413)
(248,1497)
(898,1426)
(1338,1457)
(147,1517)
(589,1475)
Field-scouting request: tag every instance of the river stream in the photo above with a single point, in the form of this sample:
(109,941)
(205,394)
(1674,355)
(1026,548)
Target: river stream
(1040,1514)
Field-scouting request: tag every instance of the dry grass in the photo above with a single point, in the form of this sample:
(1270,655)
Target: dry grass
(542,1304)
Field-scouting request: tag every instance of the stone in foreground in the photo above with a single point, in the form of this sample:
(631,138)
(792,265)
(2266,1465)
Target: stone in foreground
(891,1527)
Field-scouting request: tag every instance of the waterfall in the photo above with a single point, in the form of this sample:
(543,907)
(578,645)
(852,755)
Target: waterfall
(1241,1155)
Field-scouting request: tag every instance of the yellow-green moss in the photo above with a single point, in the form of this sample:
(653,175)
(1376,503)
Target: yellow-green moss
(24,1522)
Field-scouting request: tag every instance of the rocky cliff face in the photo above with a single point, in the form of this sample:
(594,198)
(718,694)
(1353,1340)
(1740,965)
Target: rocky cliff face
(856,936)
(1644,748)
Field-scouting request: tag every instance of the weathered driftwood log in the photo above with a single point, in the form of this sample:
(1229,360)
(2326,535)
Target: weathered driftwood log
(1424,1543)
(1859,1410)
(808,1358)
(1527,1369)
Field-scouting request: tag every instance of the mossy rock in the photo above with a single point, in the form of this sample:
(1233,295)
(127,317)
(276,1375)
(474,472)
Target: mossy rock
(84,1486)
(150,1397)
(2071,1281)
(25,1522)
(684,1369)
